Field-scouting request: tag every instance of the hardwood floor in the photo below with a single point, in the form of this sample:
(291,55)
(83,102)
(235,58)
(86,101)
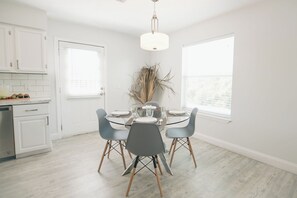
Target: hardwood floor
(70,170)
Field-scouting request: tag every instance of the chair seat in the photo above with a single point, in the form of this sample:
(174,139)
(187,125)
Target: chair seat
(117,135)
(178,133)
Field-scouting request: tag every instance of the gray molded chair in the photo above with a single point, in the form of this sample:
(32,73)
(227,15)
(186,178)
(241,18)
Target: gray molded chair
(110,134)
(179,134)
(145,140)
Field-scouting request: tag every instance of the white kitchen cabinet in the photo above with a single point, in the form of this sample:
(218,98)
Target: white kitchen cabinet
(22,50)
(31,129)
(6,44)
(30,50)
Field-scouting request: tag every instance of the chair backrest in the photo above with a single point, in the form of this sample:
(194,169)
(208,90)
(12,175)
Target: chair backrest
(191,125)
(104,125)
(144,139)
(153,103)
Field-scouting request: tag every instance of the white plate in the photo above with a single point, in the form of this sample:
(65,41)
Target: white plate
(120,113)
(177,112)
(146,119)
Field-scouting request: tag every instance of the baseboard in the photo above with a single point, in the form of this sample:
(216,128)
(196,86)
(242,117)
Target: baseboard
(33,153)
(74,134)
(267,159)
(56,136)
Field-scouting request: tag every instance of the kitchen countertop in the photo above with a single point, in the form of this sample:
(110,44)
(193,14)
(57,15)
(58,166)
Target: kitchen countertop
(24,101)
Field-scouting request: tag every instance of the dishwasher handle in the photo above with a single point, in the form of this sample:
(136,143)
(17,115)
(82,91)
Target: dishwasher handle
(6,108)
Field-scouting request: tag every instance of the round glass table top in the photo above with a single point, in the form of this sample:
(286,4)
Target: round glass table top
(167,119)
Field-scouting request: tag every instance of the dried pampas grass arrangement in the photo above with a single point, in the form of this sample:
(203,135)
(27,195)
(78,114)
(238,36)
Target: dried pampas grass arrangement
(147,82)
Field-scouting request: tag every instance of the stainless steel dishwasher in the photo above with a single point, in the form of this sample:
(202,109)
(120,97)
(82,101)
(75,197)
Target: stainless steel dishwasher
(7,150)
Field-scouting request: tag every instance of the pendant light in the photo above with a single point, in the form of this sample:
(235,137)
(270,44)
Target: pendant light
(154,40)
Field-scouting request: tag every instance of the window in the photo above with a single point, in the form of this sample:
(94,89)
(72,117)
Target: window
(207,76)
(83,70)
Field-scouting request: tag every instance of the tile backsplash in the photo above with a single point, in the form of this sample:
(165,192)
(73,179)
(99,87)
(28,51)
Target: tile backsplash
(36,85)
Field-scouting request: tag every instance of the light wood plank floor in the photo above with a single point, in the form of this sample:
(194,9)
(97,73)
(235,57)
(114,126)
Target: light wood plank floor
(70,170)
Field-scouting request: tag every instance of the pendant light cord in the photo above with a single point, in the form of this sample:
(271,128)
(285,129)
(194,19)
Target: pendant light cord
(154,21)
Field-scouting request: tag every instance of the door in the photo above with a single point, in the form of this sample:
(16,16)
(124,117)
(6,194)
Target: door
(81,86)
(30,50)
(31,133)
(5,48)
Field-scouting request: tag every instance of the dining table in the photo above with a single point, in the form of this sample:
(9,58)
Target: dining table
(166,118)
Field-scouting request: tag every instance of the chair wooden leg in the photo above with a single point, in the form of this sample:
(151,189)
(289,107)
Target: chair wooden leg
(173,151)
(127,150)
(109,149)
(191,151)
(157,177)
(122,153)
(132,176)
(159,166)
(159,185)
(103,154)
(171,146)
(130,182)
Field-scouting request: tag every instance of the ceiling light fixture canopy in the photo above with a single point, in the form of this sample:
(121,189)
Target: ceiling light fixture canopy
(154,40)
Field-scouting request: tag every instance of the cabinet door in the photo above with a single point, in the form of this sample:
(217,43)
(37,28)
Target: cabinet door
(5,48)
(30,50)
(31,133)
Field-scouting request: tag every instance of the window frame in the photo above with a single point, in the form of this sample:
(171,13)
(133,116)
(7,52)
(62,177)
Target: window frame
(85,46)
(204,113)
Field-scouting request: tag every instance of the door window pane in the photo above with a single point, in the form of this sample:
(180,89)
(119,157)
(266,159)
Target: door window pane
(83,72)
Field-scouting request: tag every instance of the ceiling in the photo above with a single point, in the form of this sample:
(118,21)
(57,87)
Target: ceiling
(133,16)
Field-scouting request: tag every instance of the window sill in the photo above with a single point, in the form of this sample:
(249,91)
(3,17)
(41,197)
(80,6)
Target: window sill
(214,117)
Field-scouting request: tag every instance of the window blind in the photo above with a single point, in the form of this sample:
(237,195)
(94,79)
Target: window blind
(83,71)
(207,76)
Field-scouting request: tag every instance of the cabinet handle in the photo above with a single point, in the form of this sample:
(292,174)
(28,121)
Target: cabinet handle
(18,64)
(47,120)
(10,64)
(29,110)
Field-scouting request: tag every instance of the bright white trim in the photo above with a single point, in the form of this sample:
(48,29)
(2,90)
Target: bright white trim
(211,116)
(33,153)
(58,80)
(206,40)
(267,159)
(206,112)
(65,135)
(55,136)
(215,117)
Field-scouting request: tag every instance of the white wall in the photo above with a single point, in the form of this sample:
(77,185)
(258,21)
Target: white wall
(22,15)
(264,108)
(124,58)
